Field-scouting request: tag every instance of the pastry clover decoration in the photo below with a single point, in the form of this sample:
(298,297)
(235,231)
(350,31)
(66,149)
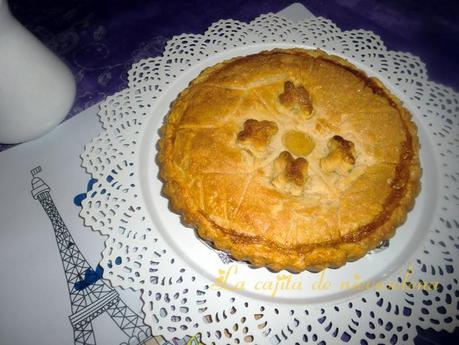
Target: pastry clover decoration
(341,157)
(289,174)
(296,99)
(257,134)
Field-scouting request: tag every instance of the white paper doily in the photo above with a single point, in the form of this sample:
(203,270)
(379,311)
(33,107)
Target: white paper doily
(174,274)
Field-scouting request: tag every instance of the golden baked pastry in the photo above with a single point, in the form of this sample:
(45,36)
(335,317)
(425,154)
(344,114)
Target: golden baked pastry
(291,159)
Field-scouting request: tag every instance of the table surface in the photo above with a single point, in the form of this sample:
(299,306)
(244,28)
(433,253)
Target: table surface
(100,40)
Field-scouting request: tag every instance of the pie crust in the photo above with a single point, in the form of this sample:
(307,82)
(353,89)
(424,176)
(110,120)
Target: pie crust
(290,159)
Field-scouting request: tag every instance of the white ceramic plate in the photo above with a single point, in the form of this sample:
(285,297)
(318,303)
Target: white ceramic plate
(336,283)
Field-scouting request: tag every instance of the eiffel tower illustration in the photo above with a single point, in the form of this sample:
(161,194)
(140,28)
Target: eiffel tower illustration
(90,295)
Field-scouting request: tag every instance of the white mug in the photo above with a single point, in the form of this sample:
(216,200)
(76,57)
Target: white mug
(36,88)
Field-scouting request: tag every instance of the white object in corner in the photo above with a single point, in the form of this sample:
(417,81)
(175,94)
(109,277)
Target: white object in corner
(36,88)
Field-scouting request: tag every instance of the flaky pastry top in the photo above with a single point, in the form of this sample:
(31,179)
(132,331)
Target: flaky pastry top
(292,159)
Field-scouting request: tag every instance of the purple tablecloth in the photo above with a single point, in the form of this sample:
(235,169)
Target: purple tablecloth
(100,40)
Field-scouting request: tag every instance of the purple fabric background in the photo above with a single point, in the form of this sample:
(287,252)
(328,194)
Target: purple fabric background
(99,40)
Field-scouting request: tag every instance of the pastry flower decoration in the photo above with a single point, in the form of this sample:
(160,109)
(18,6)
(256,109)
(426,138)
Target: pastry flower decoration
(257,134)
(341,156)
(289,174)
(296,99)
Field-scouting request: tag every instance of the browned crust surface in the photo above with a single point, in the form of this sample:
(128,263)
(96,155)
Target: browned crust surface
(199,157)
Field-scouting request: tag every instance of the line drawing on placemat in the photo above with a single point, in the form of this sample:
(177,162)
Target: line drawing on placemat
(90,296)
